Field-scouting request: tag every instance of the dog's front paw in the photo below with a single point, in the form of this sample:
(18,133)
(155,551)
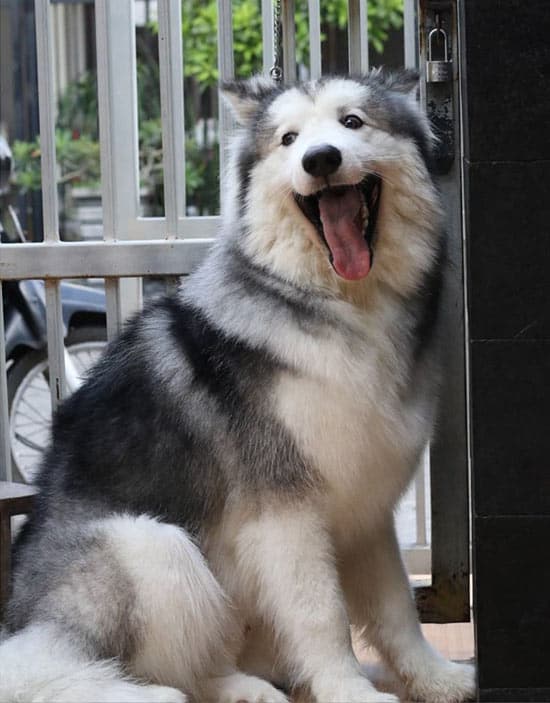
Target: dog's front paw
(447,682)
(241,688)
(356,689)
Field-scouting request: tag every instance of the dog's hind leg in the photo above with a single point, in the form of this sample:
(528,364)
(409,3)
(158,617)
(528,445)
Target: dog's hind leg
(182,620)
(379,599)
(122,588)
(129,590)
(188,638)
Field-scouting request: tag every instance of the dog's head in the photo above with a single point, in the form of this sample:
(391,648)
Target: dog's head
(321,170)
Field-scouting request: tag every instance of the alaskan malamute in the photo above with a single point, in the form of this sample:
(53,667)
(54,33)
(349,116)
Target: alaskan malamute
(217,503)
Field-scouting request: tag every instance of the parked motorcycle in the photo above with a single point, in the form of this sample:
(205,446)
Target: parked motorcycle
(24,311)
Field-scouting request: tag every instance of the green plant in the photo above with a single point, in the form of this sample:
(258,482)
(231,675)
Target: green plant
(77,159)
(384,15)
(201,166)
(26,157)
(199,28)
(77,107)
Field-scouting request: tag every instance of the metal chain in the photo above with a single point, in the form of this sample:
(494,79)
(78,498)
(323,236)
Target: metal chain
(276,71)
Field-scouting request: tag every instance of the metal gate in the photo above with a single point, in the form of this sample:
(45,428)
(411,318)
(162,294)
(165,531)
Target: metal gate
(134,246)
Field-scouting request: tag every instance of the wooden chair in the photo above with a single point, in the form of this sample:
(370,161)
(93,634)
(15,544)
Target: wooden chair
(15,499)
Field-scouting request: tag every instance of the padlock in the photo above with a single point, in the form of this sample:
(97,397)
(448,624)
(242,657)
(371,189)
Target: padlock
(439,71)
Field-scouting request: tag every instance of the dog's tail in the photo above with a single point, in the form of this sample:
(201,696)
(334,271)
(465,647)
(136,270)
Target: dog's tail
(41,663)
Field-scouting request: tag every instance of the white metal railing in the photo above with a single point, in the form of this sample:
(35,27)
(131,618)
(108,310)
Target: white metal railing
(358,39)
(135,246)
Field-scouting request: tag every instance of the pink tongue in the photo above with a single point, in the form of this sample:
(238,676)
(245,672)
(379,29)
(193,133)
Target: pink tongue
(350,253)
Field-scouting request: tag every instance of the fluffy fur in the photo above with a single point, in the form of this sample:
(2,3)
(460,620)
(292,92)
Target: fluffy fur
(219,492)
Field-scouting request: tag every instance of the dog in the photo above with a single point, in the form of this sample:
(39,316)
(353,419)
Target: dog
(216,506)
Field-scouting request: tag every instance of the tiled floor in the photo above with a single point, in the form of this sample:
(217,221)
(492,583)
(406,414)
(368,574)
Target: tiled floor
(455,641)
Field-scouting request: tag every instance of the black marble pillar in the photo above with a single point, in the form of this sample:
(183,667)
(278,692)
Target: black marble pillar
(506,76)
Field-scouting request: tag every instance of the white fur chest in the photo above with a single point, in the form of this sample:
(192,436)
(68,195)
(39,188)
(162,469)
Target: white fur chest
(353,426)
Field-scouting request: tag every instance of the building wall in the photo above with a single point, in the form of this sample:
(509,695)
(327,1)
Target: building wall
(506,66)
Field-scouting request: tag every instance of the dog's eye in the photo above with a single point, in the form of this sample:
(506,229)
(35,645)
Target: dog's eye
(288,138)
(352,122)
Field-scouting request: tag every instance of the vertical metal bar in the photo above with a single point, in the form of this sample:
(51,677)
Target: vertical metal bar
(56,350)
(118,119)
(449,457)
(410,33)
(171,99)
(288,39)
(46,101)
(226,68)
(448,598)
(112,307)
(80,29)
(59,45)
(314,16)
(5,453)
(46,98)
(358,37)
(420,26)
(268,39)
(118,126)
(420,500)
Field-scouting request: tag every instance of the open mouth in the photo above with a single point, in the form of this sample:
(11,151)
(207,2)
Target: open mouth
(345,218)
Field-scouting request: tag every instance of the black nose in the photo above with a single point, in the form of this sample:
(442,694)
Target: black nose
(322,160)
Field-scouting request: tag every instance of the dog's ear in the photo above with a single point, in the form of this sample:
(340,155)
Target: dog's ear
(403,81)
(246,96)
